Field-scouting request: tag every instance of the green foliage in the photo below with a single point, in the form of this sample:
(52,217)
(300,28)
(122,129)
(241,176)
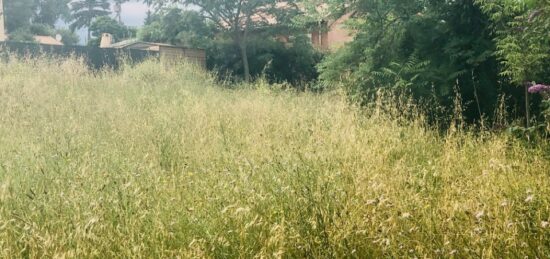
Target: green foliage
(291,62)
(314,11)
(68,37)
(41,29)
(106,24)
(432,49)
(239,19)
(24,19)
(23,13)
(152,31)
(18,14)
(523,42)
(50,11)
(178,27)
(26,34)
(84,12)
(521,30)
(294,62)
(22,35)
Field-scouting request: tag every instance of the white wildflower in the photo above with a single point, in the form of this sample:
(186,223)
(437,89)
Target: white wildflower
(480,215)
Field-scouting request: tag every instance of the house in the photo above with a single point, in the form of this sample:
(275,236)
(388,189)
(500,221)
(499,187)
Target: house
(168,53)
(48,40)
(329,34)
(40,39)
(332,34)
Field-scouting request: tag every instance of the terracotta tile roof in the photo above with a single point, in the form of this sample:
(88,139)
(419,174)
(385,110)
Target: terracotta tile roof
(47,40)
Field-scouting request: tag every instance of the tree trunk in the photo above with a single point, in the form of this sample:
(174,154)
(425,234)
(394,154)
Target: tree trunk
(244,57)
(241,41)
(89,36)
(90,12)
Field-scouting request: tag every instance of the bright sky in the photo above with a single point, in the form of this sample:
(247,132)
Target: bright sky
(133,13)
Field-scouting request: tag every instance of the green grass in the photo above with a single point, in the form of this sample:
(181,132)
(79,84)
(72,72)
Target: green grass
(152,162)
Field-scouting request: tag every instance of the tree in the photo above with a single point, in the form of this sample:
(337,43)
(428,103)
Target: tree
(150,4)
(22,35)
(431,49)
(68,37)
(106,24)
(18,14)
(50,11)
(521,30)
(85,11)
(26,18)
(22,13)
(237,18)
(118,9)
(41,29)
(522,39)
(178,27)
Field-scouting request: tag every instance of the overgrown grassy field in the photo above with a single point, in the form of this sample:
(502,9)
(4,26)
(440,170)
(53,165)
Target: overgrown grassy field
(151,162)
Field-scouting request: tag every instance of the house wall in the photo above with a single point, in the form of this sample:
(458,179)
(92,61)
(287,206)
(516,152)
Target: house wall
(325,43)
(332,36)
(175,54)
(338,34)
(315,40)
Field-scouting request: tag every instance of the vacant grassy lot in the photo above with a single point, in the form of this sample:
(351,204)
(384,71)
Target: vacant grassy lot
(155,163)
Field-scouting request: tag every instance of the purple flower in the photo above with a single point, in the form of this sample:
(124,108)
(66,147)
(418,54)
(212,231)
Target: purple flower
(539,88)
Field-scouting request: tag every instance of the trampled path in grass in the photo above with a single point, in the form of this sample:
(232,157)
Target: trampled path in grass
(152,162)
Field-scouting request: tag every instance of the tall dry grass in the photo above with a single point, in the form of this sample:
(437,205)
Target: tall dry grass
(151,162)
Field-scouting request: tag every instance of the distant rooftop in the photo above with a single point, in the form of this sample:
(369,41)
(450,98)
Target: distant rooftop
(107,39)
(47,40)
(40,39)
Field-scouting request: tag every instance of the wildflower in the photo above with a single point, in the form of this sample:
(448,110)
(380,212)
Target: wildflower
(545,224)
(480,215)
(529,198)
(539,88)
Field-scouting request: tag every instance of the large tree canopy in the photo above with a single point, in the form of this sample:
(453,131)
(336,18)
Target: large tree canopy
(50,11)
(21,13)
(178,27)
(18,13)
(292,60)
(106,24)
(239,18)
(85,11)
